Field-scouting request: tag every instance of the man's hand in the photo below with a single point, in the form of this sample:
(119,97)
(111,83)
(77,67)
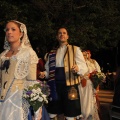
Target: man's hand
(75,69)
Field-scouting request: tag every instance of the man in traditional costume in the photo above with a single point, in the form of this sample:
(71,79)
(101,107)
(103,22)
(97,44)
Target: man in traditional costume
(64,67)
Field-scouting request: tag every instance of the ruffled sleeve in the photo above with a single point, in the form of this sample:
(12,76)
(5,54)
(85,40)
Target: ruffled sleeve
(33,57)
(32,72)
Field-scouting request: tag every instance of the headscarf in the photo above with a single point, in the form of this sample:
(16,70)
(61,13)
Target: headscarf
(24,41)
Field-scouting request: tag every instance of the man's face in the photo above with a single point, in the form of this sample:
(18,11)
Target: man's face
(85,55)
(62,35)
(88,55)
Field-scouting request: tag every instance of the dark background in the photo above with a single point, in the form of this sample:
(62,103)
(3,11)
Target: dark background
(93,25)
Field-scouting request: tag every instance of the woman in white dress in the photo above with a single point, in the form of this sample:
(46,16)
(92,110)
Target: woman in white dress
(89,107)
(17,69)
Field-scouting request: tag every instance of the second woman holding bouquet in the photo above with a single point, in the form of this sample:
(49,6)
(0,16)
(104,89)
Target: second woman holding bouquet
(87,90)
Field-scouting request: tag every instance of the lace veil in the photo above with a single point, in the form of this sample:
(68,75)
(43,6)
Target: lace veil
(24,40)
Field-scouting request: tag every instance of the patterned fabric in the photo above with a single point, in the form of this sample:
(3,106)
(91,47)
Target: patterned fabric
(52,60)
(23,61)
(51,80)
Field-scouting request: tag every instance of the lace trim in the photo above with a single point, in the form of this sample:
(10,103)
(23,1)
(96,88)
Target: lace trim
(33,56)
(24,59)
(25,108)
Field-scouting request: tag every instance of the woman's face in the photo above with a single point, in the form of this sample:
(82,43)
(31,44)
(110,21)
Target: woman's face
(13,33)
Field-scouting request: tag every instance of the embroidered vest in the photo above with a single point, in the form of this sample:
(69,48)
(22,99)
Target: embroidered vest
(69,61)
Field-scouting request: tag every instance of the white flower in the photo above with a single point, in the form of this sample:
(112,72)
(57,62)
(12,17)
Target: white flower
(31,99)
(34,91)
(44,96)
(35,96)
(32,95)
(24,95)
(27,96)
(39,90)
(40,99)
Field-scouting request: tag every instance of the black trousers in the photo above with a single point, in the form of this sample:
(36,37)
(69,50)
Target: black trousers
(63,105)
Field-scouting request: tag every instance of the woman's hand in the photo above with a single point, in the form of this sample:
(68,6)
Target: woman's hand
(40,114)
(42,75)
(83,82)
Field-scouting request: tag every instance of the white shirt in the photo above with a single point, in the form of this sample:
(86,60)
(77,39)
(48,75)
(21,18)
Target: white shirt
(93,65)
(79,59)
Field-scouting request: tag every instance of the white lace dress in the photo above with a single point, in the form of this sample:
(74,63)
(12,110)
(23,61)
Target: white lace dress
(21,72)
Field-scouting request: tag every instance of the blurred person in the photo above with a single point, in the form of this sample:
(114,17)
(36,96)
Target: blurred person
(40,68)
(63,68)
(41,62)
(92,64)
(116,97)
(89,107)
(115,106)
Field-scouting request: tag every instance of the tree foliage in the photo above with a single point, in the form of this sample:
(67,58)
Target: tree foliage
(93,24)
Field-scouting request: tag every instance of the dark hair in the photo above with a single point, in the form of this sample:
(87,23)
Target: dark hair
(84,50)
(88,51)
(61,28)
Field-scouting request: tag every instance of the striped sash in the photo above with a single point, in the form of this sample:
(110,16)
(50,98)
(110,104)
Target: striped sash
(51,80)
(52,63)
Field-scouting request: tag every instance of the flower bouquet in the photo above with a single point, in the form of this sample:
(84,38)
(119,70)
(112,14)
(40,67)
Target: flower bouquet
(44,87)
(97,78)
(36,94)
